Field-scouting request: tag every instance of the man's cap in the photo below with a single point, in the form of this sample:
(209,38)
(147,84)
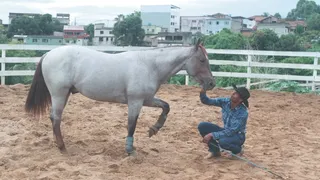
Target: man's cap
(244,94)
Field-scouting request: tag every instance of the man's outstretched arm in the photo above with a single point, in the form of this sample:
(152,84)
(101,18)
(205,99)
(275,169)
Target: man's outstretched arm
(211,101)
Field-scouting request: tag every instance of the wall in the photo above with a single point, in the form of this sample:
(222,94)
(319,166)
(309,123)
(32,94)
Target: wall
(164,16)
(44,40)
(278,28)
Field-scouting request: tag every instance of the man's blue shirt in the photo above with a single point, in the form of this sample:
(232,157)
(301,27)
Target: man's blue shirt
(234,120)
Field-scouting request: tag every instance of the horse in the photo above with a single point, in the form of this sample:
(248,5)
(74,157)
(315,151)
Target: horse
(131,77)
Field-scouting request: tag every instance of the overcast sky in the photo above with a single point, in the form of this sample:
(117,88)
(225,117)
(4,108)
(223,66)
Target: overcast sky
(89,11)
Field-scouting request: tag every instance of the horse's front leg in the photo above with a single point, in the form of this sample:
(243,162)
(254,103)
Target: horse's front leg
(134,108)
(155,102)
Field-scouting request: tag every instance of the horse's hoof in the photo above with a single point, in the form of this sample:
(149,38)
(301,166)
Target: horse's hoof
(132,153)
(152,131)
(63,150)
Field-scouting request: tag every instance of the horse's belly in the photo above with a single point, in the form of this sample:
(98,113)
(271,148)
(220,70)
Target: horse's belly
(111,93)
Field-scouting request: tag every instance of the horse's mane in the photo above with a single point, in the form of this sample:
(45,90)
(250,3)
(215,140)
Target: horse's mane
(172,47)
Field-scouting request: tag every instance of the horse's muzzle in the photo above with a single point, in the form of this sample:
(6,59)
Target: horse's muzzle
(209,83)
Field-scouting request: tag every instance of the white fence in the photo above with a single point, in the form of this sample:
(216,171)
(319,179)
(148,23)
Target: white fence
(249,63)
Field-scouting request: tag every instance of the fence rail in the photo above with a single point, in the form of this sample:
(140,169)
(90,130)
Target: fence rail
(248,53)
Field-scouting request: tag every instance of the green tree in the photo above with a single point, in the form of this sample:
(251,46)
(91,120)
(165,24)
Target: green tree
(3,36)
(128,30)
(299,30)
(277,15)
(90,30)
(266,14)
(225,39)
(39,25)
(46,25)
(289,42)
(303,10)
(23,25)
(313,22)
(265,39)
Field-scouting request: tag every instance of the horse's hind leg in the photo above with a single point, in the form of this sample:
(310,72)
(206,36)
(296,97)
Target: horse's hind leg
(58,103)
(155,102)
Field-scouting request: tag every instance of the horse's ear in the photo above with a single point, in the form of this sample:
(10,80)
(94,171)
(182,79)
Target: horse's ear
(198,44)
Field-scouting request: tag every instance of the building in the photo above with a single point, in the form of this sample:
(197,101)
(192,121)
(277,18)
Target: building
(172,39)
(152,30)
(19,39)
(294,24)
(75,35)
(210,24)
(38,39)
(245,22)
(103,35)
(62,18)
(14,15)
(0,21)
(44,40)
(280,27)
(164,16)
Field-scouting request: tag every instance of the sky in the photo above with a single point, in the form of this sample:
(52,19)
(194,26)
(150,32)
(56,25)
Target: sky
(91,11)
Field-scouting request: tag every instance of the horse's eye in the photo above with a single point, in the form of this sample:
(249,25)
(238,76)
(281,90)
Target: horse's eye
(202,60)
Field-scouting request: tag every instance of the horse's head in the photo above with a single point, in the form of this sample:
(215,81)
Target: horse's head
(198,67)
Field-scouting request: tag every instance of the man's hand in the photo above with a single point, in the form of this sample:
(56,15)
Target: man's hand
(202,91)
(207,138)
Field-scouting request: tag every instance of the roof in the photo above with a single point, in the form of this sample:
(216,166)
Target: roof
(257,18)
(294,24)
(220,15)
(73,28)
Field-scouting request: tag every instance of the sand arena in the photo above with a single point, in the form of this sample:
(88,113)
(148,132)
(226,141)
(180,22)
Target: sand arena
(283,135)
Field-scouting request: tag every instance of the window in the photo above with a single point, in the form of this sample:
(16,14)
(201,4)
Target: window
(107,39)
(177,38)
(111,39)
(172,23)
(45,40)
(34,40)
(152,30)
(226,22)
(200,21)
(210,22)
(110,32)
(101,32)
(194,21)
(60,41)
(217,22)
(172,16)
(100,39)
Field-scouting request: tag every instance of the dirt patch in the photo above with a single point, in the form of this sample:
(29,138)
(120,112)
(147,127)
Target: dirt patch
(283,135)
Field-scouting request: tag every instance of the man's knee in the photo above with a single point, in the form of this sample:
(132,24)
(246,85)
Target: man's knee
(202,126)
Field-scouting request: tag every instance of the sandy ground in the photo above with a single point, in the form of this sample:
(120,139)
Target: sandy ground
(283,135)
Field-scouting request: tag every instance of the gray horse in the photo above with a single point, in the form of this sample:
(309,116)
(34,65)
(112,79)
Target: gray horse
(131,78)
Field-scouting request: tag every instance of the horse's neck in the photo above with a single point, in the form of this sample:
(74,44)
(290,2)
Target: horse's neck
(171,62)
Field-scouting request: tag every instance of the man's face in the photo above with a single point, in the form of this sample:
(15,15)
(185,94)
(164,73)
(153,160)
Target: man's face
(235,98)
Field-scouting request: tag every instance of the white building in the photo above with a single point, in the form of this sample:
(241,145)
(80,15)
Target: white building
(206,25)
(103,35)
(164,16)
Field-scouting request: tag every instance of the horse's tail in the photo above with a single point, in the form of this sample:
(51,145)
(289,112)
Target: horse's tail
(39,97)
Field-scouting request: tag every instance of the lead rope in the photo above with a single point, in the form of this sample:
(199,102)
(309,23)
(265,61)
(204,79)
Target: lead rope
(249,162)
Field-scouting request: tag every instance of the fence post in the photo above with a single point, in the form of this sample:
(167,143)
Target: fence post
(3,67)
(249,71)
(315,62)
(187,79)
